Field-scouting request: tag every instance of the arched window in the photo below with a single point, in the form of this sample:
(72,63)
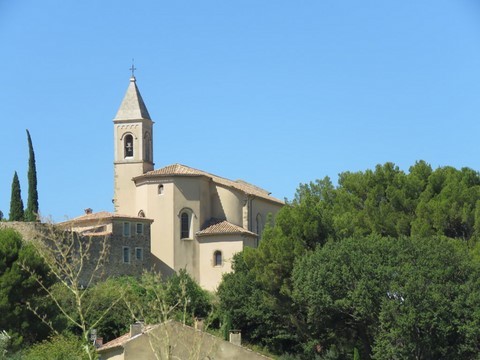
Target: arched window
(217,258)
(186,218)
(141,213)
(160,189)
(147,147)
(128,146)
(184,225)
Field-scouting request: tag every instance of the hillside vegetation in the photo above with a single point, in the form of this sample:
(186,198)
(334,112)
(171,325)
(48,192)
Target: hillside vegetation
(385,265)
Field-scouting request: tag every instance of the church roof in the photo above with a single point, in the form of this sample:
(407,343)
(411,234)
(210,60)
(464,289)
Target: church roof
(223,227)
(183,170)
(132,107)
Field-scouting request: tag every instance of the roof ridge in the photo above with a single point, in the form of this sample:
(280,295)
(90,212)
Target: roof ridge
(178,169)
(102,215)
(216,226)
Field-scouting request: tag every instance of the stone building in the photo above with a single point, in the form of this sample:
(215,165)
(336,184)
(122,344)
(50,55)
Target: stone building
(127,241)
(200,220)
(120,242)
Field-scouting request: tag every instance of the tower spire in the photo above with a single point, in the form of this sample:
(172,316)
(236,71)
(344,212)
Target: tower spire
(133,149)
(132,107)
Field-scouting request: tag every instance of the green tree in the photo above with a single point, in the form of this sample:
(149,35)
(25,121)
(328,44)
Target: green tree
(31,212)
(76,263)
(199,302)
(18,289)
(339,289)
(114,321)
(264,274)
(429,313)
(448,204)
(362,227)
(246,305)
(16,203)
(98,299)
(155,301)
(356,354)
(379,202)
(58,347)
(309,218)
(390,298)
(4,343)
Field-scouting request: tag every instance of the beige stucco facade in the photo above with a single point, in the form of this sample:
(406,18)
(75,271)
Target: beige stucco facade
(200,220)
(180,341)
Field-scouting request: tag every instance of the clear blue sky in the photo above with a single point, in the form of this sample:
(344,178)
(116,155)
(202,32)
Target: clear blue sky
(277,93)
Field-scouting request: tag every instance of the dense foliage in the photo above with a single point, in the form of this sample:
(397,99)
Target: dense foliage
(59,347)
(154,300)
(16,203)
(18,289)
(36,306)
(384,265)
(96,304)
(393,298)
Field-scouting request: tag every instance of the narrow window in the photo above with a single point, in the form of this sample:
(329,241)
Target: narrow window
(128,146)
(126,229)
(139,228)
(139,253)
(160,189)
(259,225)
(126,255)
(185,226)
(147,147)
(217,258)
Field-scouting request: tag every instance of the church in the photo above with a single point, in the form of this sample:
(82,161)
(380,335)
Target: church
(199,220)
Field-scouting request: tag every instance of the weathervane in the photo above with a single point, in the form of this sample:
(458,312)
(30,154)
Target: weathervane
(133,68)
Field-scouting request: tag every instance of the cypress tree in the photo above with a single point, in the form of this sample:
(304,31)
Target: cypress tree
(32,203)
(16,203)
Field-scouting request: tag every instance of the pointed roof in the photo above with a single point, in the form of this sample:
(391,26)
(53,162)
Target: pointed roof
(132,107)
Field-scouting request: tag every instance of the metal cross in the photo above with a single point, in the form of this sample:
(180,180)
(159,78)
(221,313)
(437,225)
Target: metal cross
(133,68)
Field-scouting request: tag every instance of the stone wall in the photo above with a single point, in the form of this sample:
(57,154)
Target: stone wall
(115,265)
(115,242)
(28,230)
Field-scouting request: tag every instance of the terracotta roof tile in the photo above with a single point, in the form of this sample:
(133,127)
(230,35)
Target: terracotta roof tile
(182,170)
(177,169)
(223,227)
(122,340)
(102,215)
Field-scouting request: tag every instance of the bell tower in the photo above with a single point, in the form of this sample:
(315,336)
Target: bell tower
(133,149)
